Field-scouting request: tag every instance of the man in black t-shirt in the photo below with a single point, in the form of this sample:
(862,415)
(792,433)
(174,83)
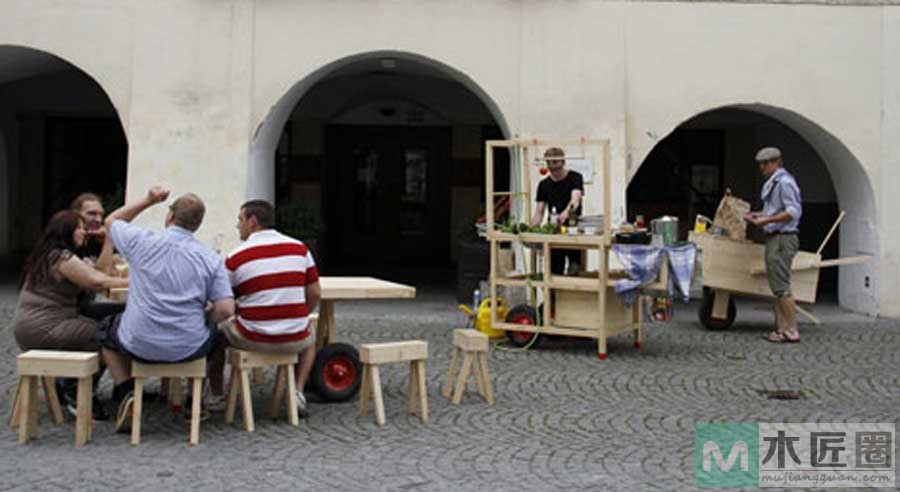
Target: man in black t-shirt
(561,190)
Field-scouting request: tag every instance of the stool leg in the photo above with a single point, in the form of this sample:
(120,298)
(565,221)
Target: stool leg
(461,379)
(136,411)
(364,392)
(233,389)
(52,399)
(246,399)
(411,388)
(274,406)
(486,378)
(176,395)
(24,417)
(476,367)
(14,411)
(423,391)
(290,399)
(259,375)
(376,393)
(195,411)
(83,418)
(454,366)
(33,408)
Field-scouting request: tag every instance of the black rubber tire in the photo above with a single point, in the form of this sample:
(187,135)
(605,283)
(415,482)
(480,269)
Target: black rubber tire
(317,377)
(705,312)
(516,315)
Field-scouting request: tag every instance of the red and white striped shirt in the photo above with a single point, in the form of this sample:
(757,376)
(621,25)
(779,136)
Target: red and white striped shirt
(269,273)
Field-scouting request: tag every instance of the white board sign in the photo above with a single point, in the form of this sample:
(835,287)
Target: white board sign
(585,166)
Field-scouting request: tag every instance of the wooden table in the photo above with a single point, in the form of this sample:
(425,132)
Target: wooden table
(352,288)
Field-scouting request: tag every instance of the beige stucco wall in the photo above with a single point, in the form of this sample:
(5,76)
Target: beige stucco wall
(195,83)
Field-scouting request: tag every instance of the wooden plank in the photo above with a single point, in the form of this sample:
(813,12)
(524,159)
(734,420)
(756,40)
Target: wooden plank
(233,390)
(830,232)
(411,388)
(380,353)
(245,359)
(471,340)
(57,363)
(275,404)
(548,330)
(335,288)
(52,399)
(486,379)
(808,315)
(376,394)
(454,364)
(848,260)
(246,401)
(136,411)
(194,368)
(195,411)
(14,414)
(461,379)
(720,304)
(366,382)
(422,391)
(26,401)
(291,397)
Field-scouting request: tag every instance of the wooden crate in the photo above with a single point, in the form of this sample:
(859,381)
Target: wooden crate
(739,267)
(581,309)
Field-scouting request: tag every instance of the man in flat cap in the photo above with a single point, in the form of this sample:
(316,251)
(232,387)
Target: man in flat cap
(780,219)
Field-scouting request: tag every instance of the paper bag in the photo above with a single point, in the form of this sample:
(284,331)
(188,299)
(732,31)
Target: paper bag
(730,217)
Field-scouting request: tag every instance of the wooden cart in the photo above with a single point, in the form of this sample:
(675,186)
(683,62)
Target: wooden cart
(732,267)
(585,306)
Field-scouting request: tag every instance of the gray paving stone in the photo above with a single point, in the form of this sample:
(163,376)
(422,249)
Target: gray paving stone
(563,419)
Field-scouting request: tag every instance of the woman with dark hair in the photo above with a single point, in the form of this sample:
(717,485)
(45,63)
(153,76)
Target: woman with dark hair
(47,312)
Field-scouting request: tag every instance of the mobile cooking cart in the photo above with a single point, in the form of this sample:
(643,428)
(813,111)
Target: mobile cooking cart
(337,372)
(585,305)
(737,267)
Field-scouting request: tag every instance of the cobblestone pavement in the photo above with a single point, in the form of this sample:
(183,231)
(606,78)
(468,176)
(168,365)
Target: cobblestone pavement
(563,419)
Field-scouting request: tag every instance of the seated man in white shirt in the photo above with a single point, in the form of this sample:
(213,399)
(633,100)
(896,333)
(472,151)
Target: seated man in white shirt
(276,286)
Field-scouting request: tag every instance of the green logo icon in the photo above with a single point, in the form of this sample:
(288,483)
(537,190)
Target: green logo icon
(726,455)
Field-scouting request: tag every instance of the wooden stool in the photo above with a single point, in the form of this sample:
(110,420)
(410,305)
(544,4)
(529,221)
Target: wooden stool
(242,363)
(45,365)
(373,354)
(195,369)
(259,375)
(473,345)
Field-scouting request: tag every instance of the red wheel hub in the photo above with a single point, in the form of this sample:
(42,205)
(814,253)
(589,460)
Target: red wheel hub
(522,336)
(339,373)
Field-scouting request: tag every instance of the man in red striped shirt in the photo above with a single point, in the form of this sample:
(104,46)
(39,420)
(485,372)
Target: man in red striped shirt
(276,286)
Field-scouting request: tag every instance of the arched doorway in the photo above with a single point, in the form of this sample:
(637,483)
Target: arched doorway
(386,150)
(687,172)
(59,136)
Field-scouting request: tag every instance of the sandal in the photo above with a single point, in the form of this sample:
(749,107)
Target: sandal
(791,336)
(776,337)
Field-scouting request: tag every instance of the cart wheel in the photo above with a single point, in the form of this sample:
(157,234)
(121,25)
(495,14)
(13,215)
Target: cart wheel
(522,314)
(336,373)
(705,312)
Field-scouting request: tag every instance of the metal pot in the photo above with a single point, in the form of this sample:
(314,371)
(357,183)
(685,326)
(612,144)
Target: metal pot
(666,227)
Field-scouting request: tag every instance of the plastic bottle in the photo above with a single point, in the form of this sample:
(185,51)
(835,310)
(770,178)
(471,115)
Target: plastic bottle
(476,300)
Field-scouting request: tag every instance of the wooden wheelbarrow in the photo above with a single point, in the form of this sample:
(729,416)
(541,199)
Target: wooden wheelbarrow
(732,267)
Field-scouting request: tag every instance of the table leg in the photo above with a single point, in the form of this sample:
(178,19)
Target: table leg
(325,325)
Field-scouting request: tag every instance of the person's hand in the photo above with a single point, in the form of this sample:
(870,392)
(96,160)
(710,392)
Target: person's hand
(98,233)
(208,308)
(755,218)
(157,194)
(563,217)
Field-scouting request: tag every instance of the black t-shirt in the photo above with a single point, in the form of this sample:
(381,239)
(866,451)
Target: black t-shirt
(559,193)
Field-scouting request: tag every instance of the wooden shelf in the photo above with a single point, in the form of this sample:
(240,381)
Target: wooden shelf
(582,240)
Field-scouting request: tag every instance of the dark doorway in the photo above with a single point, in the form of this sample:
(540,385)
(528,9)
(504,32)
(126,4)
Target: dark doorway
(386,195)
(84,154)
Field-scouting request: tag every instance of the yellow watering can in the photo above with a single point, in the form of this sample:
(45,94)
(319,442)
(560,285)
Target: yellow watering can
(483,318)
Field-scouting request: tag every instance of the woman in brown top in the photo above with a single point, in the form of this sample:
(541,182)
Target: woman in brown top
(47,312)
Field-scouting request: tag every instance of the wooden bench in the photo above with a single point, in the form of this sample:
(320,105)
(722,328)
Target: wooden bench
(372,355)
(242,363)
(473,347)
(194,370)
(37,366)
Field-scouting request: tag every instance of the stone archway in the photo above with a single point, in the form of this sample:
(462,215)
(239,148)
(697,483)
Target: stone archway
(857,289)
(62,135)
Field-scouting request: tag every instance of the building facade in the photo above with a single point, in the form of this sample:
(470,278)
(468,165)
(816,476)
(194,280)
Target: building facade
(239,99)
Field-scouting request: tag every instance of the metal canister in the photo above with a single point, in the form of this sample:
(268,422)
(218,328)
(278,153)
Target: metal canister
(666,227)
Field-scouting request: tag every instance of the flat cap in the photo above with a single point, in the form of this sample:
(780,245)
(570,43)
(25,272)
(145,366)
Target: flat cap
(767,154)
